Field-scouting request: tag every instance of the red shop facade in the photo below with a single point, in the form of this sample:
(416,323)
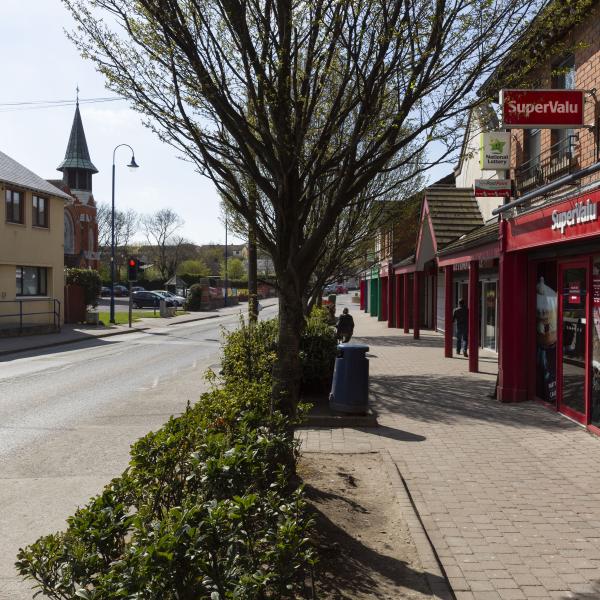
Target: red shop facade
(550,308)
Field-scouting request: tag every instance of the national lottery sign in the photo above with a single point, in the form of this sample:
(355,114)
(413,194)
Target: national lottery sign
(554,109)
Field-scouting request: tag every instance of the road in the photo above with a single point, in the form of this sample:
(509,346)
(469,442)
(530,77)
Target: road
(69,414)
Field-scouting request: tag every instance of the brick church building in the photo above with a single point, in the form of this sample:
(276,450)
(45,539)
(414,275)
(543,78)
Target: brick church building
(81,227)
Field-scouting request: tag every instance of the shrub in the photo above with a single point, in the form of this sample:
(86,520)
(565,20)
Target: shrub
(89,280)
(249,352)
(194,298)
(206,510)
(318,349)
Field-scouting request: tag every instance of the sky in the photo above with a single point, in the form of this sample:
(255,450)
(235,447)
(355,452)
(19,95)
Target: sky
(40,63)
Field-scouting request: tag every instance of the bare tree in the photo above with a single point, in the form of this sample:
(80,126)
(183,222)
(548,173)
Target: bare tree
(126,226)
(309,101)
(160,229)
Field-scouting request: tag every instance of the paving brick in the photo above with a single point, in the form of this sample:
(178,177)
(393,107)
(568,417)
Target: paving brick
(508,493)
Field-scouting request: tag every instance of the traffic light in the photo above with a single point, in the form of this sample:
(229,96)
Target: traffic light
(132,268)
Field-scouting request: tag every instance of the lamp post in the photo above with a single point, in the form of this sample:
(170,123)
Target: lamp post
(131,165)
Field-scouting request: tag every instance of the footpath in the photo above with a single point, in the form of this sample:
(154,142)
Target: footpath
(77,333)
(506,496)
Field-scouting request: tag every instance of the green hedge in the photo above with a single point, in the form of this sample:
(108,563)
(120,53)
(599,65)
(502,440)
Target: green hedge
(250,352)
(207,508)
(89,280)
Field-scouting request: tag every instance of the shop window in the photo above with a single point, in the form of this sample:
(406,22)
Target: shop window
(595,417)
(546,331)
(14,206)
(40,212)
(32,281)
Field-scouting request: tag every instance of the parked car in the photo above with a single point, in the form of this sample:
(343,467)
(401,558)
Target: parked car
(179,300)
(330,289)
(341,289)
(149,299)
(138,288)
(121,290)
(104,291)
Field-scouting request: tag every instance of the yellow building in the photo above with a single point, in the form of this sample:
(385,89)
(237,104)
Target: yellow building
(31,250)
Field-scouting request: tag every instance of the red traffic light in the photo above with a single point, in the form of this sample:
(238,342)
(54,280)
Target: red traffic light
(132,262)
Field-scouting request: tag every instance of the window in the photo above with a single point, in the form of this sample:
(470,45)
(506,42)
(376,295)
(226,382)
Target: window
(563,78)
(14,206)
(40,212)
(69,237)
(32,281)
(533,148)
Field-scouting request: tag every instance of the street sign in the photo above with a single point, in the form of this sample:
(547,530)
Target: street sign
(495,150)
(493,187)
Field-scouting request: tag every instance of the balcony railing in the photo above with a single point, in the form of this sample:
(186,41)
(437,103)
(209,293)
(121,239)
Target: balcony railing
(558,160)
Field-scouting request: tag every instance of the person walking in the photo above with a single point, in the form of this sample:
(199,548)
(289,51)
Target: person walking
(461,316)
(345,326)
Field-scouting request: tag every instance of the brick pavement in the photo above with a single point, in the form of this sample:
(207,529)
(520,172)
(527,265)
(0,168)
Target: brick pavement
(509,494)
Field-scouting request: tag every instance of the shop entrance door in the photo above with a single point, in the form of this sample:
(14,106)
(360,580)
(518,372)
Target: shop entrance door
(488,316)
(572,361)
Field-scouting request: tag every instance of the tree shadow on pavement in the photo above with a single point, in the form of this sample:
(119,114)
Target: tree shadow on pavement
(455,399)
(593,595)
(400,340)
(400,435)
(347,567)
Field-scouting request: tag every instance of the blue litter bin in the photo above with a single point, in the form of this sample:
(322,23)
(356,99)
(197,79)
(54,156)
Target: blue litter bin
(350,386)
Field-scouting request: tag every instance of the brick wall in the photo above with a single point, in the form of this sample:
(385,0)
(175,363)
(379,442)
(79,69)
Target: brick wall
(585,38)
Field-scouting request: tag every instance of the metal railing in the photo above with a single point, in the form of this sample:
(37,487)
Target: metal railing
(22,317)
(556,161)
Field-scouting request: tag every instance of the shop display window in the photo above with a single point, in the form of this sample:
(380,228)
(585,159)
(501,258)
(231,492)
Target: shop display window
(595,417)
(546,331)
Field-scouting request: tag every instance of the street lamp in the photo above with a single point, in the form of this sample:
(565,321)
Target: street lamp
(131,165)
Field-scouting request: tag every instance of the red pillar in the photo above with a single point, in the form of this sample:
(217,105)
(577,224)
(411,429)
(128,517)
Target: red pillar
(390,297)
(362,294)
(448,309)
(398,299)
(406,316)
(416,286)
(473,338)
(382,315)
(513,355)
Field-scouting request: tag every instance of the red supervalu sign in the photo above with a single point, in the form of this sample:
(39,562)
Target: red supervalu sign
(524,109)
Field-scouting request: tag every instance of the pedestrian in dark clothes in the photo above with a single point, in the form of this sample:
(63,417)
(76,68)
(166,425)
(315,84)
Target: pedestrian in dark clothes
(461,316)
(345,326)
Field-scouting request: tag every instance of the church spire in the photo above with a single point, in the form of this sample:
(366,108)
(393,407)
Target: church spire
(77,156)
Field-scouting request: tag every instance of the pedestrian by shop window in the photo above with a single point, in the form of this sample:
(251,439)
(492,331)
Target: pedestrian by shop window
(40,212)
(14,206)
(32,281)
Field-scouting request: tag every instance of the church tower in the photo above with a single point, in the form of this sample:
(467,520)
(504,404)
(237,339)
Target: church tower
(80,226)
(77,168)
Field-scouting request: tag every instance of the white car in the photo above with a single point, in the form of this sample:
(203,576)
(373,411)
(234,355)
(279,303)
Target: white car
(178,300)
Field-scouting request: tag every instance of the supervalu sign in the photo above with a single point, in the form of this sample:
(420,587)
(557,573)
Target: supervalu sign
(554,109)
(495,150)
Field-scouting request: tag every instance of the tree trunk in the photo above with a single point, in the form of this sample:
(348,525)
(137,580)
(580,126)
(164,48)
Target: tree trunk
(288,369)
(252,258)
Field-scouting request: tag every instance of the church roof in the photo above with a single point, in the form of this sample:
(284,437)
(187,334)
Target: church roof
(77,155)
